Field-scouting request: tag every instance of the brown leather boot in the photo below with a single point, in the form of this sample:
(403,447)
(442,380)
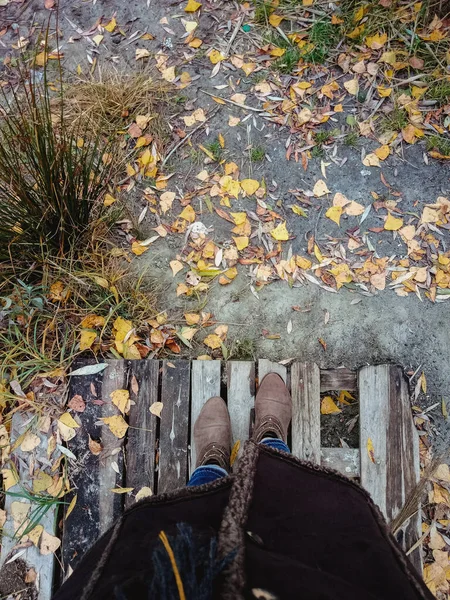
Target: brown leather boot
(212,434)
(273,409)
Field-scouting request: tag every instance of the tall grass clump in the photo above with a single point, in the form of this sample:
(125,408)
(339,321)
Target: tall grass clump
(52,174)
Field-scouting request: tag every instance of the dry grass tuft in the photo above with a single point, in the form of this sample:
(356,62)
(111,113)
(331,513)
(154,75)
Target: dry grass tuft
(109,100)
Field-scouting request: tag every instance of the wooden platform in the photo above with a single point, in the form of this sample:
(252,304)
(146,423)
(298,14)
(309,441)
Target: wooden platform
(158,453)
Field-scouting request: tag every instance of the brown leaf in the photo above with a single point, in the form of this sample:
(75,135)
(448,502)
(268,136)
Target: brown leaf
(77,403)
(95,447)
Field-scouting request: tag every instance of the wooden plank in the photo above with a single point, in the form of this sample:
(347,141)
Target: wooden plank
(338,379)
(305,389)
(93,476)
(141,443)
(267,366)
(205,383)
(174,429)
(344,460)
(386,419)
(29,464)
(241,397)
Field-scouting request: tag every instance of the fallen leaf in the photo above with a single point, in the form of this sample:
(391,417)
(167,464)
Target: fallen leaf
(370,450)
(192,6)
(235,452)
(393,223)
(213,341)
(352,86)
(382,152)
(117,425)
(215,56)
(92,321)
(67,420)
(328,406)
(77,403)
(371,160)
(188,214)
(249,186)
(354,209)
(334,213)
(30,442)
(378,280)
(144,492)
(280,233)
(121,399)
(87,338)
(142,53)
(156,408)
(94,447)
(377,41)
(49,543)
(241,242)
(122,490)
(275,20)
(166,199)
(320,189)
(111,25)
(176,266)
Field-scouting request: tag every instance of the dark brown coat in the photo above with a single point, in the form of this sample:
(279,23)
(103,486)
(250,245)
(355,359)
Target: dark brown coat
(286,527)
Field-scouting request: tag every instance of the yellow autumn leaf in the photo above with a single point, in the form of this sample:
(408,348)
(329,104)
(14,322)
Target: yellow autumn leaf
(377,41)
(121,399)
(352,86)
(371,160)
(409,133)
(241,242)
(137,248)
(370,450)
(122,490)
(131,171)
(188,214)
(280,233)
(423,383)
(108,200)
(382,152)
(71,506)
(393,223)
(303,263)
(234,452)
(192,6)
(87,338)
(239,218)
(117,425)
(308,2)
(384,92)
(192,318)
(111,25)
(215,56)
(275,20)
(277,52)
(122,328)
(213,341)
(221,140)
(195,43)
(334,213)
(249,186)
(67,420)
(10,478)
(320,188)
(92,321)
(328,406)
(298,210)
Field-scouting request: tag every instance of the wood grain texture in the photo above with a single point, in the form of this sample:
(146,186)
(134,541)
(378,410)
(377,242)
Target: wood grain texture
(338,379)
(43,565)
(386,419)
(91,474)
(267,366)
(205,383)
(344,460)
(111,464)
(240,397)
(305,390)
(141,441)
(174,429)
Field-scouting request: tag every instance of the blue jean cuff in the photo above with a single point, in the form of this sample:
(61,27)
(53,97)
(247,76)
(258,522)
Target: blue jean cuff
(206,474)
(276,443)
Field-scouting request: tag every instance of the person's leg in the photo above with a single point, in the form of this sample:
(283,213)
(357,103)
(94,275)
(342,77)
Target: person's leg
(276,443)
(273,412)
(206,474)
(212,441)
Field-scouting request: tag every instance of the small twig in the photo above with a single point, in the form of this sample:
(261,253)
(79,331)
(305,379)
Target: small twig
(234,34)
(244,106)
(189,135)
